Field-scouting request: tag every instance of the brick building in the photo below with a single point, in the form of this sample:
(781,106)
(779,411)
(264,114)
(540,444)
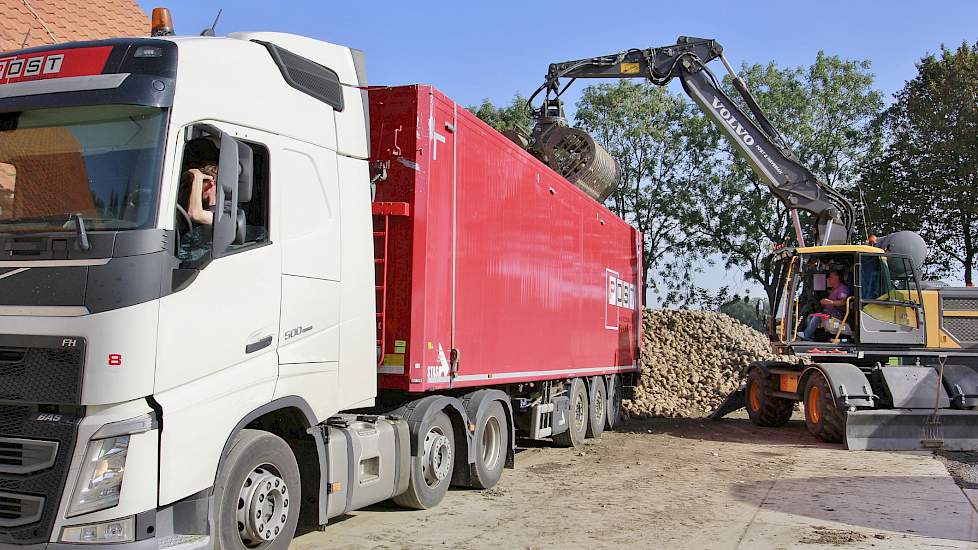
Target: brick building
(28,23)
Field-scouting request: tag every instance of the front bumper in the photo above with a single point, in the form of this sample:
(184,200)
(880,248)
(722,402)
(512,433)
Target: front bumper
(148,544)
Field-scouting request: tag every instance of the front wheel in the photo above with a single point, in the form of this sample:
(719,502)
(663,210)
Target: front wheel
(823,419)
(257,494)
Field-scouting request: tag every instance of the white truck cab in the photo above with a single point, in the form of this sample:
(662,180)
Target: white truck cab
(136,344)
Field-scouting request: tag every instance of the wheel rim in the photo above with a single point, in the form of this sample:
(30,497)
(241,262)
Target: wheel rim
(599,404)
(490,442)
(580,406)
(436,461)
(812,404)
(263,506)
(754,397)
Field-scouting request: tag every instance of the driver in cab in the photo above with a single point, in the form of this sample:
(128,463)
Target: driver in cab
(833,307)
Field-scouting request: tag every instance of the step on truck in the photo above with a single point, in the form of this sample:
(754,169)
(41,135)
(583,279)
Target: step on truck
(240,290)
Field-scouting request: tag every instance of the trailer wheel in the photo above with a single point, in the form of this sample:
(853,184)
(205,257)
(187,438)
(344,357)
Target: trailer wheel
(824,420)
(615,391)
(491,444)
(579,418)
(598,407)
(763,408)
(432,468)
(257,494)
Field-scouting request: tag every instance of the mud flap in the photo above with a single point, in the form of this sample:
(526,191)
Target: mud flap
(912,430)
(733,402)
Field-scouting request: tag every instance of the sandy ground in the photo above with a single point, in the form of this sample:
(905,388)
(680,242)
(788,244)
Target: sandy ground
(691,484)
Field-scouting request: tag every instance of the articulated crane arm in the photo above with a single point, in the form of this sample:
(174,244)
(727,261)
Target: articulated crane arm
(777,166)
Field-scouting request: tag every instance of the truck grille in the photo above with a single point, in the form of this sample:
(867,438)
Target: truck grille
(29,500)
(25,456)
(17,510)
(959,304)
(41,369)
(965,329)
(40,393)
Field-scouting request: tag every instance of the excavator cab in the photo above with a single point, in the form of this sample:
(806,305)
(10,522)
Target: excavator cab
(882,304)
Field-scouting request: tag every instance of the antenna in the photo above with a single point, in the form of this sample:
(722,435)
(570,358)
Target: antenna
(209,31)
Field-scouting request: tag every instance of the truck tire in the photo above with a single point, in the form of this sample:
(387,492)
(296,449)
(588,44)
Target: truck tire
(579,417)
(763,408)
(432,468)
(491,444)
(598,406)
(257,494)
(824,420)
(615,391)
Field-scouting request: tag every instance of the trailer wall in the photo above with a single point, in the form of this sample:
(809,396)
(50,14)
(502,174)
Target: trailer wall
(502,271)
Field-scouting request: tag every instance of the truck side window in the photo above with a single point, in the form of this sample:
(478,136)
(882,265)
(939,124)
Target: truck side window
(194,231)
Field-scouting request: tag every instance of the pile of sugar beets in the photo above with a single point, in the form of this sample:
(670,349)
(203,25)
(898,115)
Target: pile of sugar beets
(691,360)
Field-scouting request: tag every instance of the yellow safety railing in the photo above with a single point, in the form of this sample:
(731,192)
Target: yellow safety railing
(794,335)
(842,325)
(783,326)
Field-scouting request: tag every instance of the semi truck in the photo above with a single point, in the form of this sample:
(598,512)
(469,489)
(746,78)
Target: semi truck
(385,295)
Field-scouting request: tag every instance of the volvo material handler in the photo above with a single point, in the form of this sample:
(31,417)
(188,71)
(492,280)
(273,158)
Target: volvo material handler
(899,370)
(240,290)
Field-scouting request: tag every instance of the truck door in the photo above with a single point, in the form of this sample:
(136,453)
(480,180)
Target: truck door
(220,324)
(889,301)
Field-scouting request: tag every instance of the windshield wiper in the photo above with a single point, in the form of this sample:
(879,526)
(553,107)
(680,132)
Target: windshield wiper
(83,243)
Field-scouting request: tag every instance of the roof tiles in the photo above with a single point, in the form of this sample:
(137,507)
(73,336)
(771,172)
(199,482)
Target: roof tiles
(59,21)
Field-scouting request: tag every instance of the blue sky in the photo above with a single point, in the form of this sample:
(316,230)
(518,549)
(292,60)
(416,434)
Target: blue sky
(476,50)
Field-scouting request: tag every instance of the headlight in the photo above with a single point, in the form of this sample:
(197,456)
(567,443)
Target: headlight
(100,478)
(120,530)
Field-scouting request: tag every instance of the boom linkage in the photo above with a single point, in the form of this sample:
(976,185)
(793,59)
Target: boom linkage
(755,137)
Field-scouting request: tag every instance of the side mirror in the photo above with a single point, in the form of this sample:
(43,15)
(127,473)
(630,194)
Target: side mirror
(226,209)
(246,173)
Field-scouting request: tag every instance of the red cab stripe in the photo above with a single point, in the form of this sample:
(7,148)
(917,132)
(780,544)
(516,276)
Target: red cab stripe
(53,64)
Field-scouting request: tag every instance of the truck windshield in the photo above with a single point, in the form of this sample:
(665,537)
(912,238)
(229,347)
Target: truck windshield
(100,161)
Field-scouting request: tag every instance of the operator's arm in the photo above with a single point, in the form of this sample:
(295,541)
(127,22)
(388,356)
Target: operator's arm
(196,209)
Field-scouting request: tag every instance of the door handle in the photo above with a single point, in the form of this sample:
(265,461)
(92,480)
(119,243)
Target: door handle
(259,345)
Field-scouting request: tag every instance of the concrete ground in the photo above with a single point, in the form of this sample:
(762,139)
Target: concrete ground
(692,484)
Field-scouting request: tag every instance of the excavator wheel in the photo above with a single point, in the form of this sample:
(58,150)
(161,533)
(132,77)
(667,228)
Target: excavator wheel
(763,408)
(824,420)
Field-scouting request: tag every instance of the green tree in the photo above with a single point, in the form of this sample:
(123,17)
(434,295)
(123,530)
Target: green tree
(750,312)
(825,114)
(927,177)
(661,144)
(515,116)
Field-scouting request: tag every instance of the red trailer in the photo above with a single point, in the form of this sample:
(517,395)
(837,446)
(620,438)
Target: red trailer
(491,268)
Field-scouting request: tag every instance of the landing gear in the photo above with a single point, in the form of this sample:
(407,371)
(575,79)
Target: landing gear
(763,408)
